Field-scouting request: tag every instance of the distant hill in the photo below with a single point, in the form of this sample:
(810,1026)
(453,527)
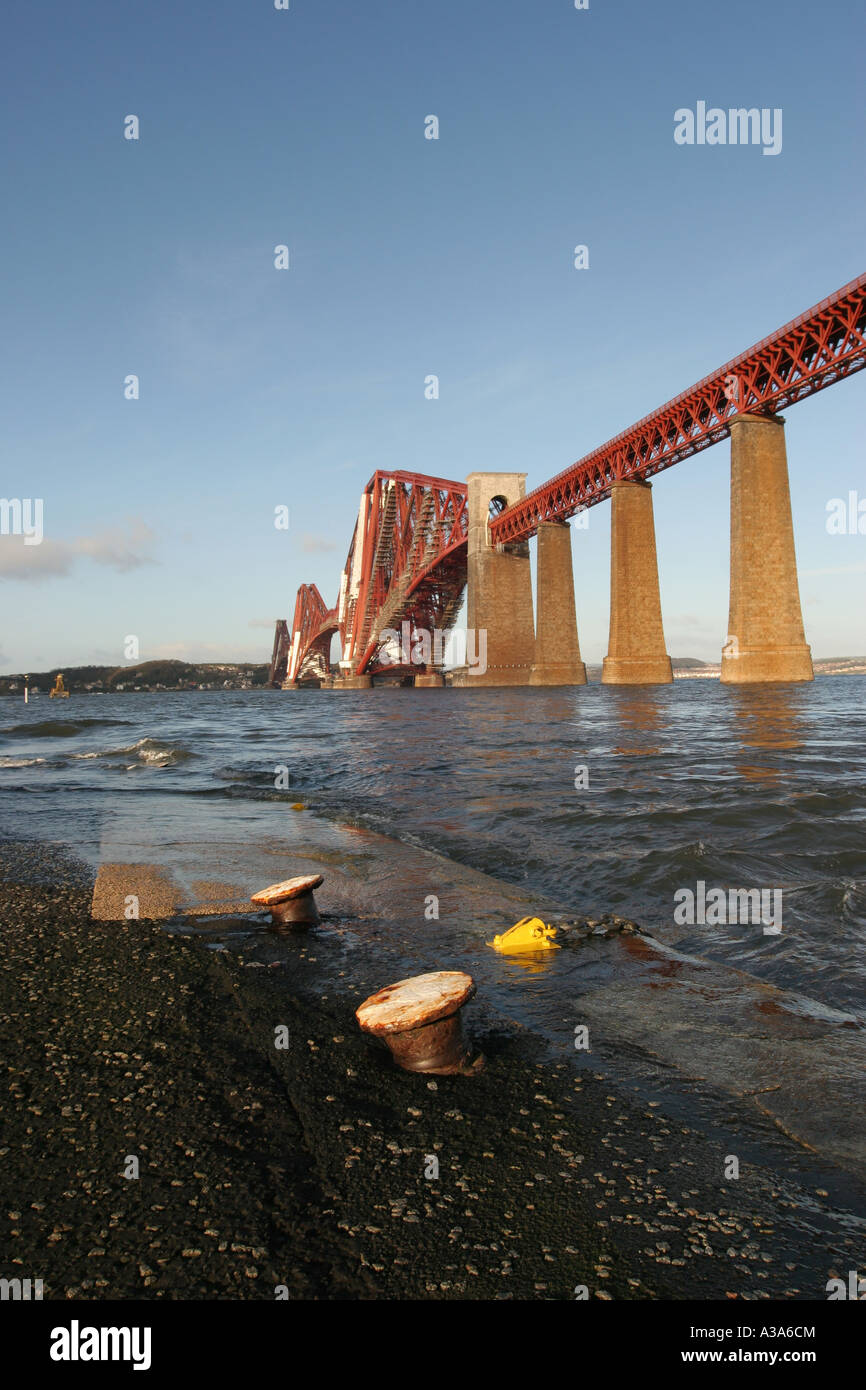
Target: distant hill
(147,675)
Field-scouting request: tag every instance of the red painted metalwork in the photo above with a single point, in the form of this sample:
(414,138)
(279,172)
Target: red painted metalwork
(820,347)
(406,563)
(312,628)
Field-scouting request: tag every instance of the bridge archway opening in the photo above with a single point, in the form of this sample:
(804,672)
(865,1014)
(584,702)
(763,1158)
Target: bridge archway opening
(495,507)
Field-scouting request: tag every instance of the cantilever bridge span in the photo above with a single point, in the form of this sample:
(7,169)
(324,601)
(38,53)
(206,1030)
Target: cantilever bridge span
(406,564)
(419,541)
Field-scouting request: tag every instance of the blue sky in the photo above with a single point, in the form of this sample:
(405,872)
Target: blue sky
(408,257)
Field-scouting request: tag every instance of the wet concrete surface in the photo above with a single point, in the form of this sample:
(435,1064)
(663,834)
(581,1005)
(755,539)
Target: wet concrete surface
(798,1065)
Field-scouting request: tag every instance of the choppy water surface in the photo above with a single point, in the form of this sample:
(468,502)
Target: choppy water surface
(762,788)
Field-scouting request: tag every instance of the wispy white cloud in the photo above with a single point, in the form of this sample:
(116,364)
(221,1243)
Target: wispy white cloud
(121,548)
(34,562)
(121,551)
(314,545)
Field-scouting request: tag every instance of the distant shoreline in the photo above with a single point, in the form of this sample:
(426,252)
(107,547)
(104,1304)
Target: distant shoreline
(146,676)
(243,676)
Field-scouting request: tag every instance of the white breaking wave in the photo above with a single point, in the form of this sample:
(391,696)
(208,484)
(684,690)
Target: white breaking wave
(145,749)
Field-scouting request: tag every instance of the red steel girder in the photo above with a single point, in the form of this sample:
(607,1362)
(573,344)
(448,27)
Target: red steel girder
(823,345)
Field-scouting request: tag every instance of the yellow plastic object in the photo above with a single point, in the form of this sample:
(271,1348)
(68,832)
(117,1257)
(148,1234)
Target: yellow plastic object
(529,934)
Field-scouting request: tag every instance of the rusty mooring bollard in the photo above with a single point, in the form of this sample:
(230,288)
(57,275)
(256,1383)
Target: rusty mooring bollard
(291,902)
(419,1019)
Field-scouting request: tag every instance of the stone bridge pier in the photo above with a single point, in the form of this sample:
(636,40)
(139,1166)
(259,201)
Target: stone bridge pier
(766,640)
(636,653)
(557,650)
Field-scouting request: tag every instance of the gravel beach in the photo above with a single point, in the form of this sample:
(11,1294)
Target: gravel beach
(301,1172)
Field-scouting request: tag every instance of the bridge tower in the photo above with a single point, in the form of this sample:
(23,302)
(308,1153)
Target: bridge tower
(499,584)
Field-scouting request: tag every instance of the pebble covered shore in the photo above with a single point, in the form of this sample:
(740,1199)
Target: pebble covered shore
(303,1169)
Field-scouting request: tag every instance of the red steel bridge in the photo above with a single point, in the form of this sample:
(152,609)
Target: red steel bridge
(407,561)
